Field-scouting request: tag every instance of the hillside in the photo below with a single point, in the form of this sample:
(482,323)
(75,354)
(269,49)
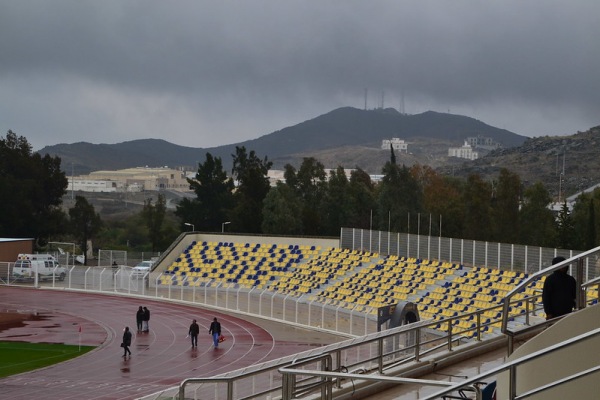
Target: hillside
(352,138)
(544,159)
(344,128)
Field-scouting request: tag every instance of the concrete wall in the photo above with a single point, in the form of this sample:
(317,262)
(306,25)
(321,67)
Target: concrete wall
(561,363)
(324,243)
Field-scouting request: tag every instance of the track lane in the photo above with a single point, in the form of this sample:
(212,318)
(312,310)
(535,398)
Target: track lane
(160,359)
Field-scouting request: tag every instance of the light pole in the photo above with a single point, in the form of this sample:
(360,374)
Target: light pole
(223,226)
(188,224)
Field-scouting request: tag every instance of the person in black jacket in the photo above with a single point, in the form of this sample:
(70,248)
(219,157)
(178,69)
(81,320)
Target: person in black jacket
(139,318)
(558,294)
(145,321)
(193,333)
(215,331)
(126,342)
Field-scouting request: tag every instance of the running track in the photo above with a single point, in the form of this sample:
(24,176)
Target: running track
(160,359)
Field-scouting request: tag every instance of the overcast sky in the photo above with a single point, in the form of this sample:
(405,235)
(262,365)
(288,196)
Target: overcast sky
(208,73)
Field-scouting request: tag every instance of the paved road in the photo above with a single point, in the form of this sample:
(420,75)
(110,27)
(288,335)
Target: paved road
(160,359)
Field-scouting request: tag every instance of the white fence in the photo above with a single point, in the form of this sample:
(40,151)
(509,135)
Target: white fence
(218,295)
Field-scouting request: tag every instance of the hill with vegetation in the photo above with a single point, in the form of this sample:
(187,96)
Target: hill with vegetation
(352,138)
(568,164)
(338,138)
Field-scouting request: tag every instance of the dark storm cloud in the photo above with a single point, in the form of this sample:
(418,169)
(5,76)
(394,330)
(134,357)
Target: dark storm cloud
(207,73)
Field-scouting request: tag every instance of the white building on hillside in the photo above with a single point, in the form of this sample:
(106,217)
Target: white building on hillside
(466,151)
(483,142)
(395,143)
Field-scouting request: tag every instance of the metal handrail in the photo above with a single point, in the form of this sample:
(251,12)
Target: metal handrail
(546,271)
(419,349)
(510,367)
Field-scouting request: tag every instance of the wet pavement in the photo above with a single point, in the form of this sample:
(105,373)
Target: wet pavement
(160,359)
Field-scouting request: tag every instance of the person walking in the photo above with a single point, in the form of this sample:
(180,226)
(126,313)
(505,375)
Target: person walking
(215,331)
(559,292)
(146,320)
(139,318)
(126,342)
(193,333)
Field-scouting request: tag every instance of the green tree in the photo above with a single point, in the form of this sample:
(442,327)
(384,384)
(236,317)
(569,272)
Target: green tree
(477,209)
(443,200)
(565,229)
(133,234)
(505,207)
(335,207)
(85,223)
(309,183)
(591,239)
(282,211)
(399,197)
(31,191)
(539,226)
(361,198)
(251,175)
(586,220)
(214,197)
(154,217)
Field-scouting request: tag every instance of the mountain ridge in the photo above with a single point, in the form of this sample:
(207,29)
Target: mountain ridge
(342,127)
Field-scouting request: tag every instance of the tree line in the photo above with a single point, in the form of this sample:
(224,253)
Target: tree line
(31,192)
(310,201)
(313,202)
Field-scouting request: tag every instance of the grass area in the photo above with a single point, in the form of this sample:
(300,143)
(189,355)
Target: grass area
(18,357)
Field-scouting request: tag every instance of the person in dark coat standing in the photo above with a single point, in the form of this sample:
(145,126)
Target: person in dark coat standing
(146,320)
(126,342)
(215,331)
(139,318)
(193,333)
(559,292)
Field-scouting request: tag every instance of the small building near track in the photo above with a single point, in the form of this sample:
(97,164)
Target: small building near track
(11,248)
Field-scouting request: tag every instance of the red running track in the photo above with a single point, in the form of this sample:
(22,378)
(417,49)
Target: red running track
(160,359)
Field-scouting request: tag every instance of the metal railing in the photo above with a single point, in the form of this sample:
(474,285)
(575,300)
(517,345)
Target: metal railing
(512,366)
(506,256)
(580,261)
(375,356)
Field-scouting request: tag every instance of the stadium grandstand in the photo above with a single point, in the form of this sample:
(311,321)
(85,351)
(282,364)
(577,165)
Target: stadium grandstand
(410,306)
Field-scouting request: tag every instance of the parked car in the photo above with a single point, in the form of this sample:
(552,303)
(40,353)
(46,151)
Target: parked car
(141,269)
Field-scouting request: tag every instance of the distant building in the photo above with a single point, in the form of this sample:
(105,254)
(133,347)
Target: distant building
(482,142)
(466,151)
(395,143)
(80,184)
(277,175)
(131,180)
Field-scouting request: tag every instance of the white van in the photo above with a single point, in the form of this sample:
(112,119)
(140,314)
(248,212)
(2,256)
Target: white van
(44,265)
